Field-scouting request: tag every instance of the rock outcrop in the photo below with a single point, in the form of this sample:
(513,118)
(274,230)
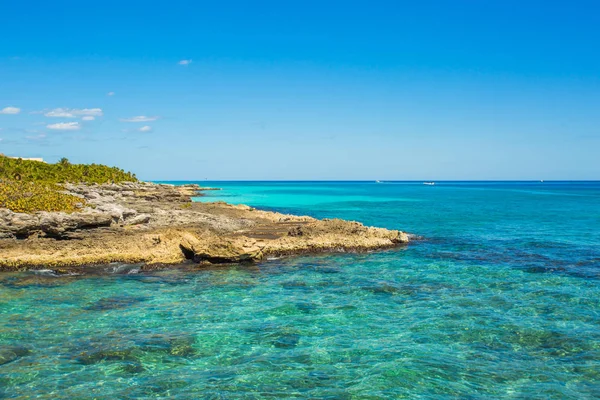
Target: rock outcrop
(159,224)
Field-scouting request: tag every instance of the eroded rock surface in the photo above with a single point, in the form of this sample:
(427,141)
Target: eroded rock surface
(158,224)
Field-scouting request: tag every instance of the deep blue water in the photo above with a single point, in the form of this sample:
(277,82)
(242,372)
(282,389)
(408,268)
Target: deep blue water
(500,299)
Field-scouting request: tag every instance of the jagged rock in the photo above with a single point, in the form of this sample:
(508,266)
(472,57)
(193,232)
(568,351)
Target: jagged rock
(219,250)
(118,212)
(50,223)
(138,219)
(57,223)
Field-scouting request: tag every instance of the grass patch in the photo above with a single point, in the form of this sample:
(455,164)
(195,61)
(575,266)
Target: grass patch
(29,197)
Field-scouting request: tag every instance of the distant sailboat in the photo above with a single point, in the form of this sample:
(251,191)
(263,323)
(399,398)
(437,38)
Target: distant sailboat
(429,183)
(377,181)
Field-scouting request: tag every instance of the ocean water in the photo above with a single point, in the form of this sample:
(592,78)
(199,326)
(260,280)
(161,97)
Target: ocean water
(499,299)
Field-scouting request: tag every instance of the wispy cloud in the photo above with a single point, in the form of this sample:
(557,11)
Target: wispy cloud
(185,62)
(88,118)
(65,126)
(59,113)
(145,128)
(95,112)
(74,112)
(110,93)
(41,136)
(10,110)
(139,118)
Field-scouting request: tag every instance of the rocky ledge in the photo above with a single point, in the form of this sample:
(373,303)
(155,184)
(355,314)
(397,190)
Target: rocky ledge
(158,224)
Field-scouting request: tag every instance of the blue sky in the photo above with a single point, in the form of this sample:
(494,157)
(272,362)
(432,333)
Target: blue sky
(306,90)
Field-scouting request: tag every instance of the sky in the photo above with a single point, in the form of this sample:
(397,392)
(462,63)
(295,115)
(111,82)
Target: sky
(306,90)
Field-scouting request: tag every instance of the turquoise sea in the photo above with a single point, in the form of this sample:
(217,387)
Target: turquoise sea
(500,298)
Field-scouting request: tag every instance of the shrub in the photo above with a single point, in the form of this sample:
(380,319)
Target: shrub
(28,197)
(16,169)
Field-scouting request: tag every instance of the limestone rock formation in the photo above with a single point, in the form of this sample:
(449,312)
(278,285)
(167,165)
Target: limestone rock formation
(159,224)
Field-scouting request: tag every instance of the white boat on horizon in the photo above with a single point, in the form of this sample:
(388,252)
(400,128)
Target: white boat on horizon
(429,183)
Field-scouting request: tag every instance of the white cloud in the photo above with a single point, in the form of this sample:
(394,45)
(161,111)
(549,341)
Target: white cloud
(65,126)
(10,110)
(60,113)
(110,93)
(185,62)
(145,128)
(88,118)
(95,112)
(73,112)
(139,118)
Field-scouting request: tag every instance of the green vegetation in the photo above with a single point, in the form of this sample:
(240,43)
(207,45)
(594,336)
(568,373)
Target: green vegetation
(16,169)
(28,197)
(30,186)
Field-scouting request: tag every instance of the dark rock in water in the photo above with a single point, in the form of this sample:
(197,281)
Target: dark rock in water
(12,353)
(133,368)
(386,288)
(263,327)
(107,355)
(112,303)
(153,344)
(306,307)
(182,347)
(37,279)
(287,341)
(543,269)
(294,284)
(176,346)
(328,270)
(382,289)
(346,307)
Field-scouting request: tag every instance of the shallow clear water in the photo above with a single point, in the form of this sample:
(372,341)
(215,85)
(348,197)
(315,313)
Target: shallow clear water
(501,299)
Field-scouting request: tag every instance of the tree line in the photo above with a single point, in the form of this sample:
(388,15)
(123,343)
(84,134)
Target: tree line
(16,169)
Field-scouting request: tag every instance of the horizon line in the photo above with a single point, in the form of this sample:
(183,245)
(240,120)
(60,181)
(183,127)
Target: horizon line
(376,181)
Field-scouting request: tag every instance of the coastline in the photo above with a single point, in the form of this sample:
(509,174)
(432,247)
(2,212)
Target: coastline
(159,225)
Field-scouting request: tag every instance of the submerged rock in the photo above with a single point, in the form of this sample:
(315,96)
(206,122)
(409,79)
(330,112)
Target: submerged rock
(86,358)
(133,368)
(287,341)
(113,303)
(166,345)
(12,353)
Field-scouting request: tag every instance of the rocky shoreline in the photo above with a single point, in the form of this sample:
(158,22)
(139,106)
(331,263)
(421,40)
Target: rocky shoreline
(158,224)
